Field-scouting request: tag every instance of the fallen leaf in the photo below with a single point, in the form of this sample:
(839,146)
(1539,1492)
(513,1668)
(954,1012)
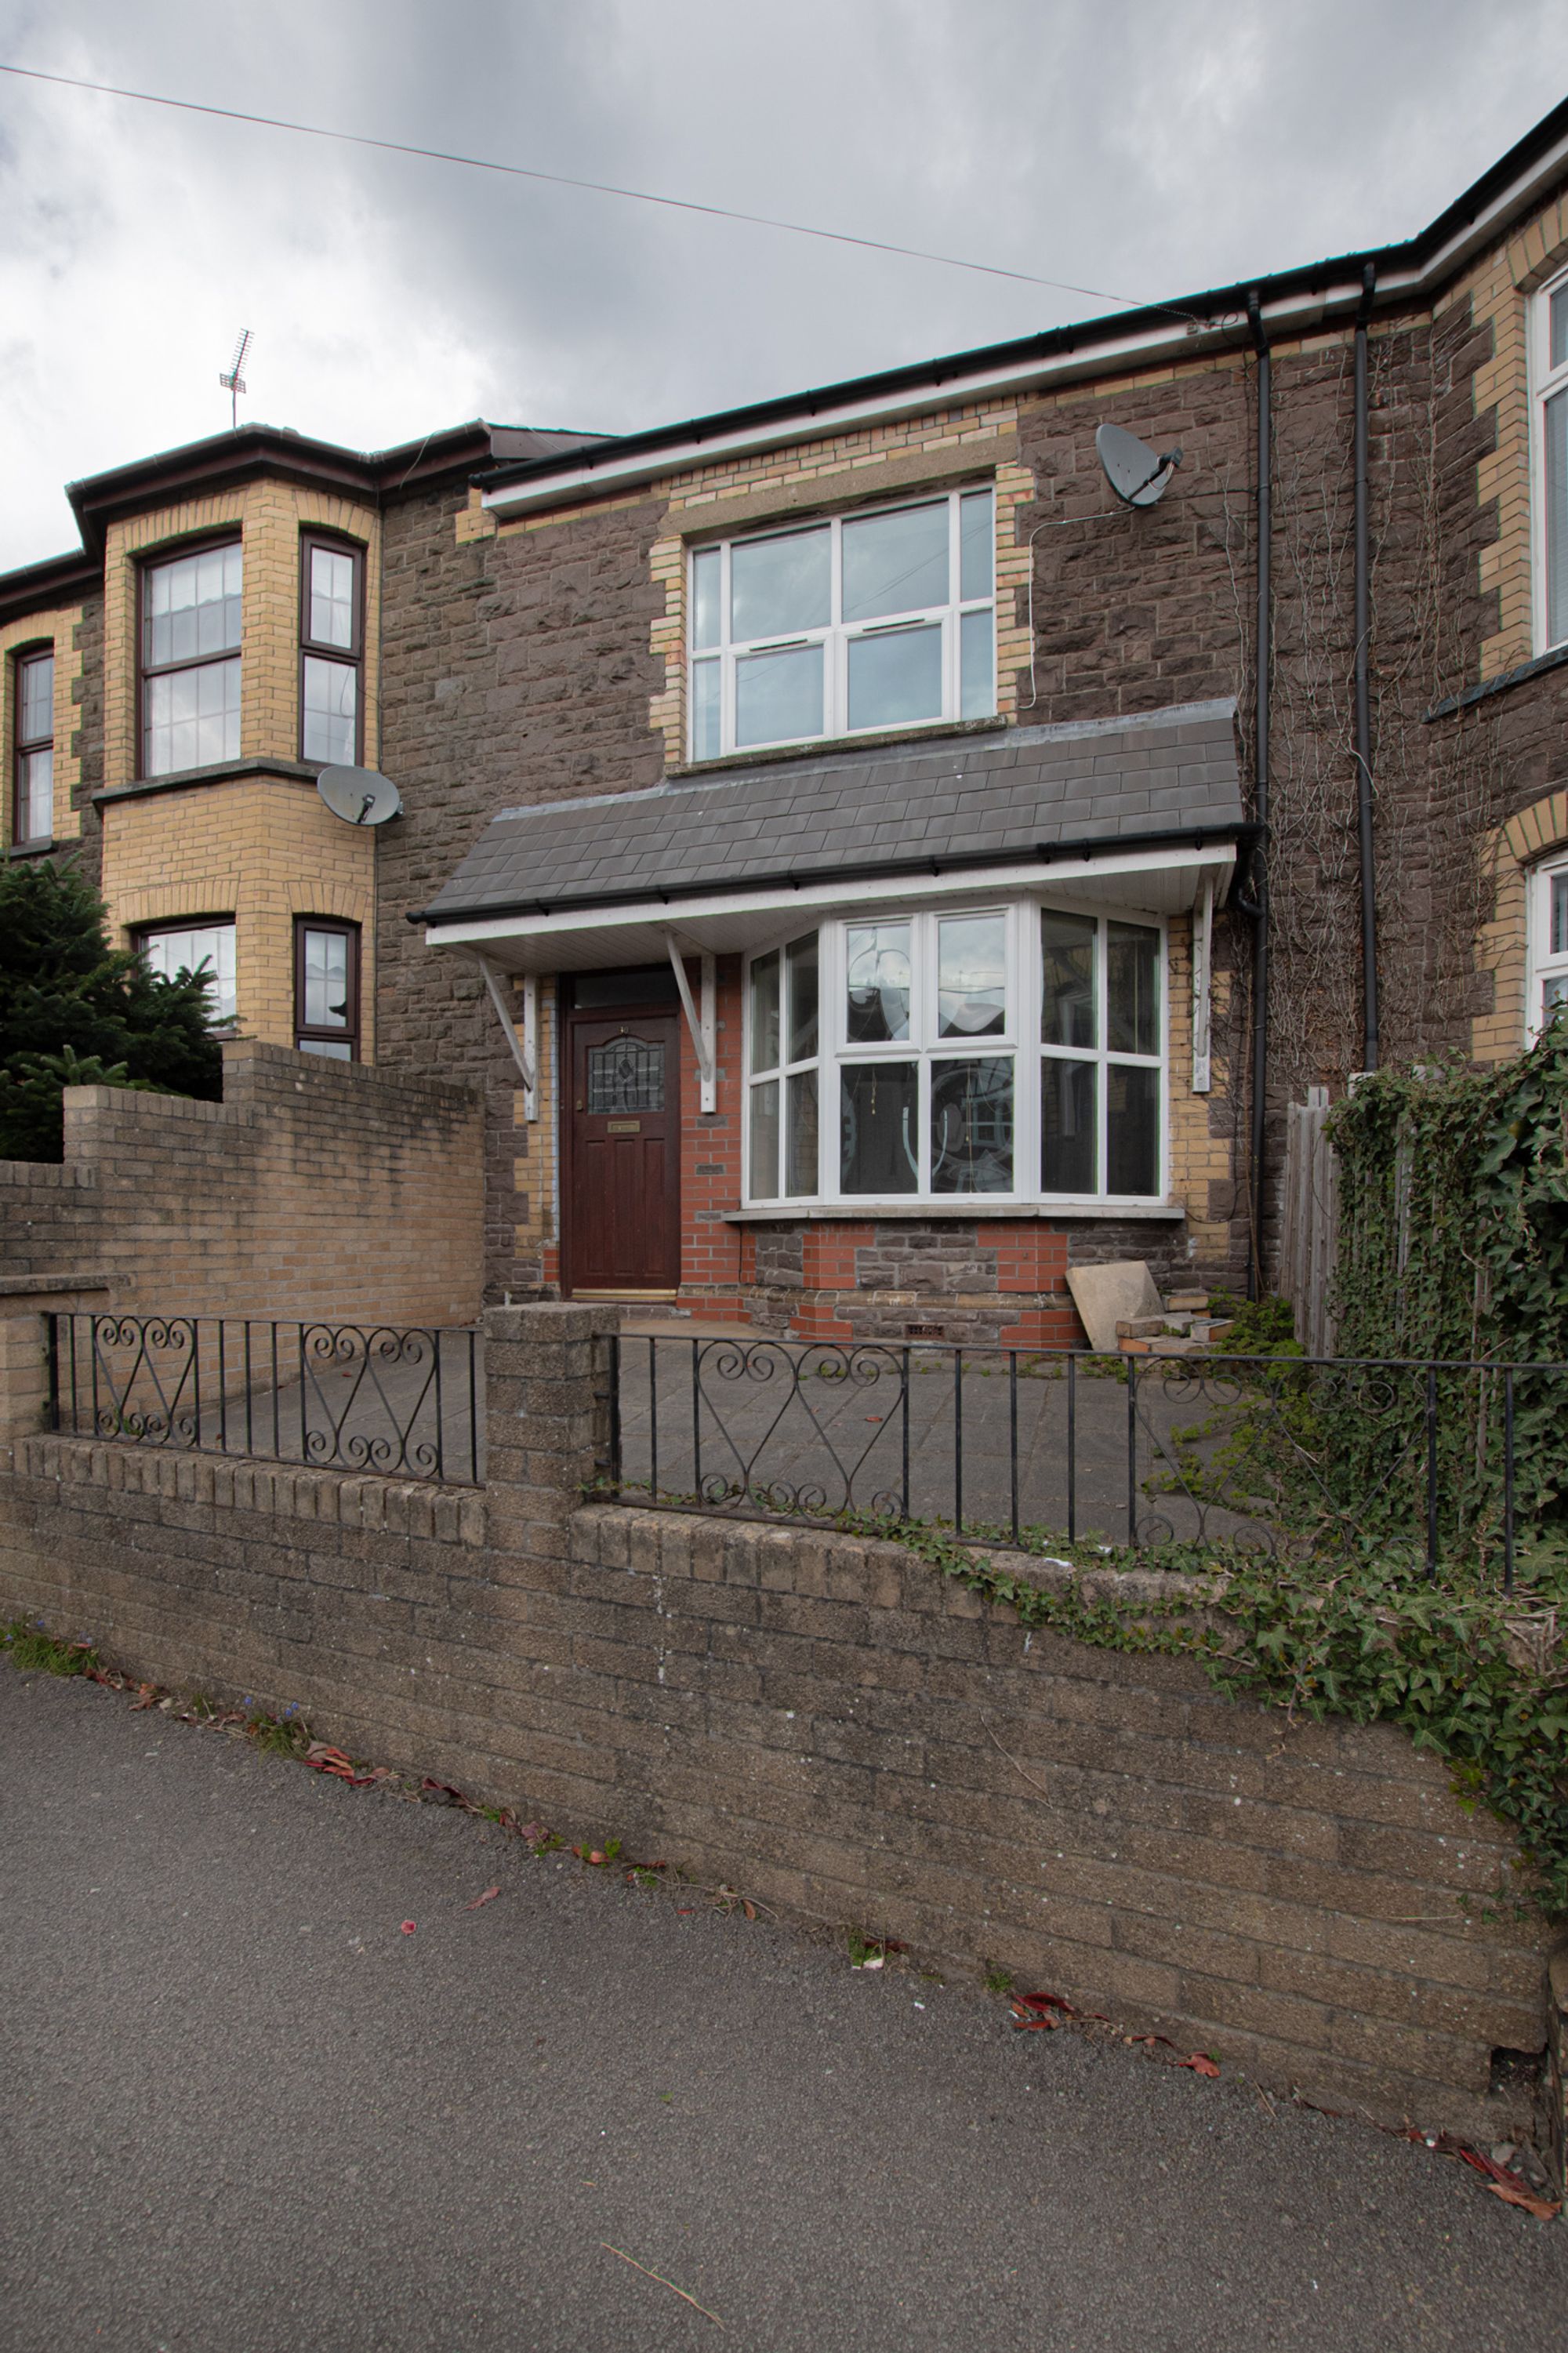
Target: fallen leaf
(488,1897)
(321,1757)
(750,1910)
(441,1793)
(1033,2012)
(1200,2062)
(1513,2194)
(408,1927)
(872,1961)
(147,1694)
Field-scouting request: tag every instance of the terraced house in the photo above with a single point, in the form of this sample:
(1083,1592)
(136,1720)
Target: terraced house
(871,865)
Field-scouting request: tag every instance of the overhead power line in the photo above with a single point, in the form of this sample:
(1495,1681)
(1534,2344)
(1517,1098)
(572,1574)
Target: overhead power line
(595,187)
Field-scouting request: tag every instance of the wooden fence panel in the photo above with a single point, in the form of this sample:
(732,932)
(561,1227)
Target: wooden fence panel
(1311,1222)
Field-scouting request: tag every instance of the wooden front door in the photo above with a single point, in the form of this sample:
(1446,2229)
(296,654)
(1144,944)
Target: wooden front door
(621,1193)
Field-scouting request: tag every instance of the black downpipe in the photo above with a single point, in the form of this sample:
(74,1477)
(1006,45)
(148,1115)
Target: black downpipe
(1259,876)
(1364,694)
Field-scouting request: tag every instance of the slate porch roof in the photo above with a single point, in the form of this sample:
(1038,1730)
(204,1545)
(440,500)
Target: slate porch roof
(1010,792)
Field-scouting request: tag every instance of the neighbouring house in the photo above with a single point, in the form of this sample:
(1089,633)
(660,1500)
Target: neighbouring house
(849,843)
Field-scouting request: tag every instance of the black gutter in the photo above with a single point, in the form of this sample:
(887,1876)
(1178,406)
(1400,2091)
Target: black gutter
(1214,309)
(1048,853)
(1369,1048)
(1259,875)
(56,580)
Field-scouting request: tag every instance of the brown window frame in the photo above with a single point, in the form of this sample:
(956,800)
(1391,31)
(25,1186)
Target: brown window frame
(224,1023)
(312,650)
(146,564)
(23,747)
(350,1036)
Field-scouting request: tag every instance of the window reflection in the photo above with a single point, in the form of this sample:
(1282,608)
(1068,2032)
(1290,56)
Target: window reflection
(878,973)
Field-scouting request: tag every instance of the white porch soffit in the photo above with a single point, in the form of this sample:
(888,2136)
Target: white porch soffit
(1143,813)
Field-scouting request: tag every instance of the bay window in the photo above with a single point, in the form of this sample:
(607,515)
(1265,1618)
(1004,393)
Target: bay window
(849,627)
(326,988)
(190,660)
(206,948)
(33,704)
(1012,1051)
(332,650)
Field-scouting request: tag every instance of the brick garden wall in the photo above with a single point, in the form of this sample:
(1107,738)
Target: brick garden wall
(316,1187)
(824,1723)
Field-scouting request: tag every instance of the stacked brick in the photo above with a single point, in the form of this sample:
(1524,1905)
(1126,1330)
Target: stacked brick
(317,1189)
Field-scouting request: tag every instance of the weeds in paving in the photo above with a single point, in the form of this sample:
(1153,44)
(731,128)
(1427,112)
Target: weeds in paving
(36,1653)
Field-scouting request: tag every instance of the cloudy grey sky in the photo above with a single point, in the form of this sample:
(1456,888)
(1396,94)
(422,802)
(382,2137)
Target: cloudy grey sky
(1146,147)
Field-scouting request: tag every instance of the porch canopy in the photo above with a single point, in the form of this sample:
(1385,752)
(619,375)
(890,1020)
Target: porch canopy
(1144,812)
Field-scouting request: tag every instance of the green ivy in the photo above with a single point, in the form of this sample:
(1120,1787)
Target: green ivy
(1453,1244)
(1469,1674)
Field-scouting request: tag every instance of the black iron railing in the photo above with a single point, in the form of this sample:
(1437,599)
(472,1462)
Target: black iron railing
(1291,1454)
(404,1401)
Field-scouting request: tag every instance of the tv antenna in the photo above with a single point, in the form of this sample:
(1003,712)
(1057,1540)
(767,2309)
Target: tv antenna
(1137,475)
(233,383)
(359,796)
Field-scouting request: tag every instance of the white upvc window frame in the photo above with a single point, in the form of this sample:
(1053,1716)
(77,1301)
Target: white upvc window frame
(1018,1041)
(835,635)
(1546,966)
(1546,383)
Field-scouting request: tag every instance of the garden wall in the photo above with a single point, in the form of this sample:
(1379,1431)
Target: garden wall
(315,1187)
(826,1724)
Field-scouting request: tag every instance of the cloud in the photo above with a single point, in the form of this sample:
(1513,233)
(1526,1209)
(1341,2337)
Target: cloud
(1146,149)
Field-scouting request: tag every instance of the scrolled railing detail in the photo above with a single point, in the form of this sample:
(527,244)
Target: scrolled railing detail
(400,1401)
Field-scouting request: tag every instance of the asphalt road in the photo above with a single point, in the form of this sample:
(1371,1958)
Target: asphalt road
(243,2110)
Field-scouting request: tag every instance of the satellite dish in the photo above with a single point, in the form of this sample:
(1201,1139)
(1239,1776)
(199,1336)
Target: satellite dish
(1134,471)
(359,796)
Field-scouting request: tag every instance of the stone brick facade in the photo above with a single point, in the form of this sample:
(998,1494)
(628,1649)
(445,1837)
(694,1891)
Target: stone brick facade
(825,1723)
(530,657)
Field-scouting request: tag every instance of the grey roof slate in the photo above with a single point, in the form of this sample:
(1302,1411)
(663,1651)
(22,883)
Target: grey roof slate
(1002,794)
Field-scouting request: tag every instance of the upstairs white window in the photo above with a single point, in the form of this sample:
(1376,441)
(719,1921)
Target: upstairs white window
(190,660)
(33,808)
(865,622)
(1548,925)
(1015,1052)
(1550,374)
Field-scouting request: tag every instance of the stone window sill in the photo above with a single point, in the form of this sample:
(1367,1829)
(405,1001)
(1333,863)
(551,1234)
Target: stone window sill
(828,747)
(223,772)
(966,1211)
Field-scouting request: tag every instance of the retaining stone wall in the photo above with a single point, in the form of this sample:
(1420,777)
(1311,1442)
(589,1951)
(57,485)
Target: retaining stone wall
(827,1724)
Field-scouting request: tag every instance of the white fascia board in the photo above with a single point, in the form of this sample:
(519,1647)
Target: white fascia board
(1011,875)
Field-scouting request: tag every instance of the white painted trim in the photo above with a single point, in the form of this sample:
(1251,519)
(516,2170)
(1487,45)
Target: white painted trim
(524,1051)
(697,1023)
(1545,383)
(847,891)
(1203,989)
